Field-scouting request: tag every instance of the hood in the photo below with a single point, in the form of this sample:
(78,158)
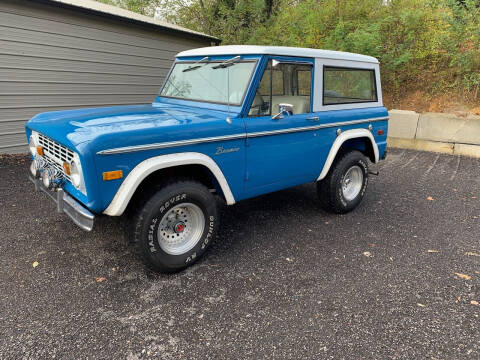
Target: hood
(125,125)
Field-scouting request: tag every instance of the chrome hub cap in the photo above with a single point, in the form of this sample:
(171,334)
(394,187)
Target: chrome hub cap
(181,228)
(352,183)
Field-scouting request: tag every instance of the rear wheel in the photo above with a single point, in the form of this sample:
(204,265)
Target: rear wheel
(174,228)
(345,184)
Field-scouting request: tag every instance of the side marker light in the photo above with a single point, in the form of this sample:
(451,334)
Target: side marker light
(112,175)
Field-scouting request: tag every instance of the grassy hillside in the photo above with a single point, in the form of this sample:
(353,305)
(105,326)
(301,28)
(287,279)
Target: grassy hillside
(429,49)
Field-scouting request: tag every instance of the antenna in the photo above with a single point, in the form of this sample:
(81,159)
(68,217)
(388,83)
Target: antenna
(228,120)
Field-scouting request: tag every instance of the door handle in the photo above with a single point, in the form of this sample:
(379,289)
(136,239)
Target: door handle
(313,118)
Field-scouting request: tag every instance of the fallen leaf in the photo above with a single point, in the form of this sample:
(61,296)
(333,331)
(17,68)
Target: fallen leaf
(391,258)
(326,222)
(371,245)
(35,264)
(309,230)
(463,276)
(454,189)
(288,259)
(367,253)
(471,253)
(100,279)
(473,302)
(421,305)
(429,198)
(459,298)
(432,251)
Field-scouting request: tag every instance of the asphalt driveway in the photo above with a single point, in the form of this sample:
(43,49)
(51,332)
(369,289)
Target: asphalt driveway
(399,278)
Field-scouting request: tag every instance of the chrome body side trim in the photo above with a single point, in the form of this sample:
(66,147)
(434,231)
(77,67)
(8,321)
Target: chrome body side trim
(170,144)
(314,127)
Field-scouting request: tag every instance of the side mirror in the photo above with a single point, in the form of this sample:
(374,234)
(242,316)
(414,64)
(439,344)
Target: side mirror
(283,108)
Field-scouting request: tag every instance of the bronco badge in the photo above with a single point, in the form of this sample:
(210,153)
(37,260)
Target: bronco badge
(221,150)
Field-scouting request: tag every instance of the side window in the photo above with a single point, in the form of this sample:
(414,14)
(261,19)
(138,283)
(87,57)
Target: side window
(347,86)
(278,87)
(283,83)
(262,100)
(304,82)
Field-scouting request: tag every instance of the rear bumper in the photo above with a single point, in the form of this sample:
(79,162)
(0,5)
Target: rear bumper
(68,205)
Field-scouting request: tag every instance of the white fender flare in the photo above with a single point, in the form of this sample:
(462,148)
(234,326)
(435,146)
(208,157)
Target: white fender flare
(337,144)
(141,171)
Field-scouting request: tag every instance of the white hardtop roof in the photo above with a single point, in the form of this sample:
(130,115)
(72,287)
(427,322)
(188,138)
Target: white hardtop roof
(276,50)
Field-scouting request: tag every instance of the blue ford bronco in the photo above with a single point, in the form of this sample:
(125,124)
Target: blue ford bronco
(231,122)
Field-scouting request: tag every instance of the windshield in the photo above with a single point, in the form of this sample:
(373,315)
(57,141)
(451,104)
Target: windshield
(208,81)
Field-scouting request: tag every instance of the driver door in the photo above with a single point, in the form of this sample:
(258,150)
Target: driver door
(281,151)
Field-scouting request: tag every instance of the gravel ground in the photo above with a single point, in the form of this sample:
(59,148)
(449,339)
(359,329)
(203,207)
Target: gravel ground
(399,278)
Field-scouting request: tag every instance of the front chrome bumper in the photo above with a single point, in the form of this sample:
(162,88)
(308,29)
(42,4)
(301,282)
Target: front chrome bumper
(68,205)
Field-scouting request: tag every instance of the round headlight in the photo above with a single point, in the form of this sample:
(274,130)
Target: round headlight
(75,175)
(32,145)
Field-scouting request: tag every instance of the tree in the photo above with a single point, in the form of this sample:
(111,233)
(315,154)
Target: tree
(145,7)
(429,45)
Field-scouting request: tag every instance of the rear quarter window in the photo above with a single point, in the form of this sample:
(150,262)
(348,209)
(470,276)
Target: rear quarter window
(348,86)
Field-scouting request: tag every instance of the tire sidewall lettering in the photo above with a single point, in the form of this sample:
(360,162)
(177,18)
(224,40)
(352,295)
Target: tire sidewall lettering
(211,227)
(152,232)
(152,227)
(364,167)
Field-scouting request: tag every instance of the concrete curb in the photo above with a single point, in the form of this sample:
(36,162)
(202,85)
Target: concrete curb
(442,133)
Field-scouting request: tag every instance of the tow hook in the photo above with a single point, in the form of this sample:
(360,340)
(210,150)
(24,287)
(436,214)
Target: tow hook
(373,172)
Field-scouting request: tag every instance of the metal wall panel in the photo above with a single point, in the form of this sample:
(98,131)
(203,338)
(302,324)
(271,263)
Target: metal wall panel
(55,58)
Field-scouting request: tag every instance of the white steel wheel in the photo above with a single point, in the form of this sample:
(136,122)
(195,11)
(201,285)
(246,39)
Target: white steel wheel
(181,228)
(352,183)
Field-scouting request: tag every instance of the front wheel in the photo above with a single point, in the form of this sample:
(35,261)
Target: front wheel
(175,226)
(345,184)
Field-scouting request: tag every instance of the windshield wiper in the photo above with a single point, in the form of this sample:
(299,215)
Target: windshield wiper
(227,63)
(195,65)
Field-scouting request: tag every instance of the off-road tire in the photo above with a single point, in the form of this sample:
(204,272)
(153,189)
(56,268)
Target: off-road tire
(329,189)
(145,220)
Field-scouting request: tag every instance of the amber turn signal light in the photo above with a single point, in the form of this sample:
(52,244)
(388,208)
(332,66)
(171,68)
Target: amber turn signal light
(66,167)
(40,150)
(112,175)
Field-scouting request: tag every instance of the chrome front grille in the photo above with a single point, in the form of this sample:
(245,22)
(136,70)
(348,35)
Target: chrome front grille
(55,154)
